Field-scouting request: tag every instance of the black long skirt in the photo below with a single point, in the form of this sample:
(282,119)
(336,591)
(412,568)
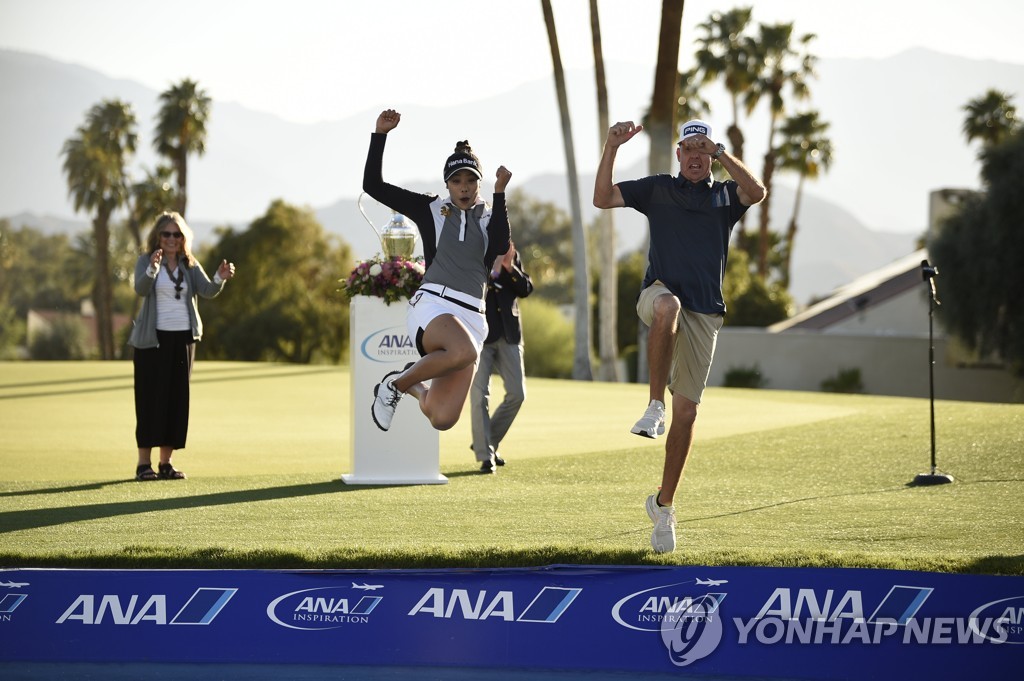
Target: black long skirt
(162,376)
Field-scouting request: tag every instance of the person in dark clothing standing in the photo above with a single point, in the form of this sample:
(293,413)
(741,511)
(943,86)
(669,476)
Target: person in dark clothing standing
(503,350)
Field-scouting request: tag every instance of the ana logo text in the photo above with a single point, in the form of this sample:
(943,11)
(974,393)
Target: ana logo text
(546,606)
(204,605)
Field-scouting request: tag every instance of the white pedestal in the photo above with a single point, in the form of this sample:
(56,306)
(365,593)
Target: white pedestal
(408,453)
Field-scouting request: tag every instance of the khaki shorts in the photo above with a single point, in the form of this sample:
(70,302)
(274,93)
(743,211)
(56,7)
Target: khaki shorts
(694,348)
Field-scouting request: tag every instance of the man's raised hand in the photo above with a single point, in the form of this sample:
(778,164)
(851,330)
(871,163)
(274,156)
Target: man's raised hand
(622,132)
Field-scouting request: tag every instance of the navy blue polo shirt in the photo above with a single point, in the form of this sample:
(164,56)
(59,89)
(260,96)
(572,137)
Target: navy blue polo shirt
(690,224)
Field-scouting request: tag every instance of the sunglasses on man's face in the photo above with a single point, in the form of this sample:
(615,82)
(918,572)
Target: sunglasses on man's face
(172,235)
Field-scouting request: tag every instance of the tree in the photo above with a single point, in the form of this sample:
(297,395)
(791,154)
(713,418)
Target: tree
(977,251)
(632,267)
(284,305)
(690,104)
(774,252)
(607,296)
(782,66)
(581,281)
(550,333)
(660,125)
(11,331)
(544,238)
(95,162)
(40,271)
(181,130)
(991,118)
(726,52)
(631,277)
(806,151)
(660,122)
(749,300)
(148,199)
(65,339)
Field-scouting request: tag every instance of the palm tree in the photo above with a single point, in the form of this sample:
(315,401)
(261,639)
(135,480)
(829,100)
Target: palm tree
(660,125)
(148,199)
(608,350)
(95,162)
(783,66)
(581,369)
(181,130)
(689,104)
(725,52)
(806,150)
(991,118)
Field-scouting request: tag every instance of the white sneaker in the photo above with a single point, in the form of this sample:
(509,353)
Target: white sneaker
(663,538)
(652,423)
(385,400)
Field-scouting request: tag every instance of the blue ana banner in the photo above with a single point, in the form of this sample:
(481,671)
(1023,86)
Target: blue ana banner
(763,622)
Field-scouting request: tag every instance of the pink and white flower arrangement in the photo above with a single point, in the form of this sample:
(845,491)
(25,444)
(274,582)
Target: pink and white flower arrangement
(391,279)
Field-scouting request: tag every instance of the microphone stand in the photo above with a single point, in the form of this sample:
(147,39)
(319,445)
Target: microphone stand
(928,273)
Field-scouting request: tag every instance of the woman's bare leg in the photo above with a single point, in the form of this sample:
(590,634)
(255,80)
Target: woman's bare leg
(448,365)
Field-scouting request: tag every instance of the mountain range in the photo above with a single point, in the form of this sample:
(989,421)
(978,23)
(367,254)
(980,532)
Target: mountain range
(895,124)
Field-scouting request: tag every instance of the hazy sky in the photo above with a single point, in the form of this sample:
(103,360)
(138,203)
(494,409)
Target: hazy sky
(312,60)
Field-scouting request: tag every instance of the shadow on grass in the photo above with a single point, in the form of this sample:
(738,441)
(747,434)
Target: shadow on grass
(206,376)
(86,487)
(885,490)
(997,565)
(788,502)
(13,521)
(964,481)
(63,381)
(474,473)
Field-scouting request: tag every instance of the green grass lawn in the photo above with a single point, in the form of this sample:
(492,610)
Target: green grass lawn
(776,478)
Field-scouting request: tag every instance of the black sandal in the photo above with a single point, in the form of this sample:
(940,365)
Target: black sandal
(145,472)
(168,472)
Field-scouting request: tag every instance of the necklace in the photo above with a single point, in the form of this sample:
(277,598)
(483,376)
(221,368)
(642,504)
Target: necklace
(177,280)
